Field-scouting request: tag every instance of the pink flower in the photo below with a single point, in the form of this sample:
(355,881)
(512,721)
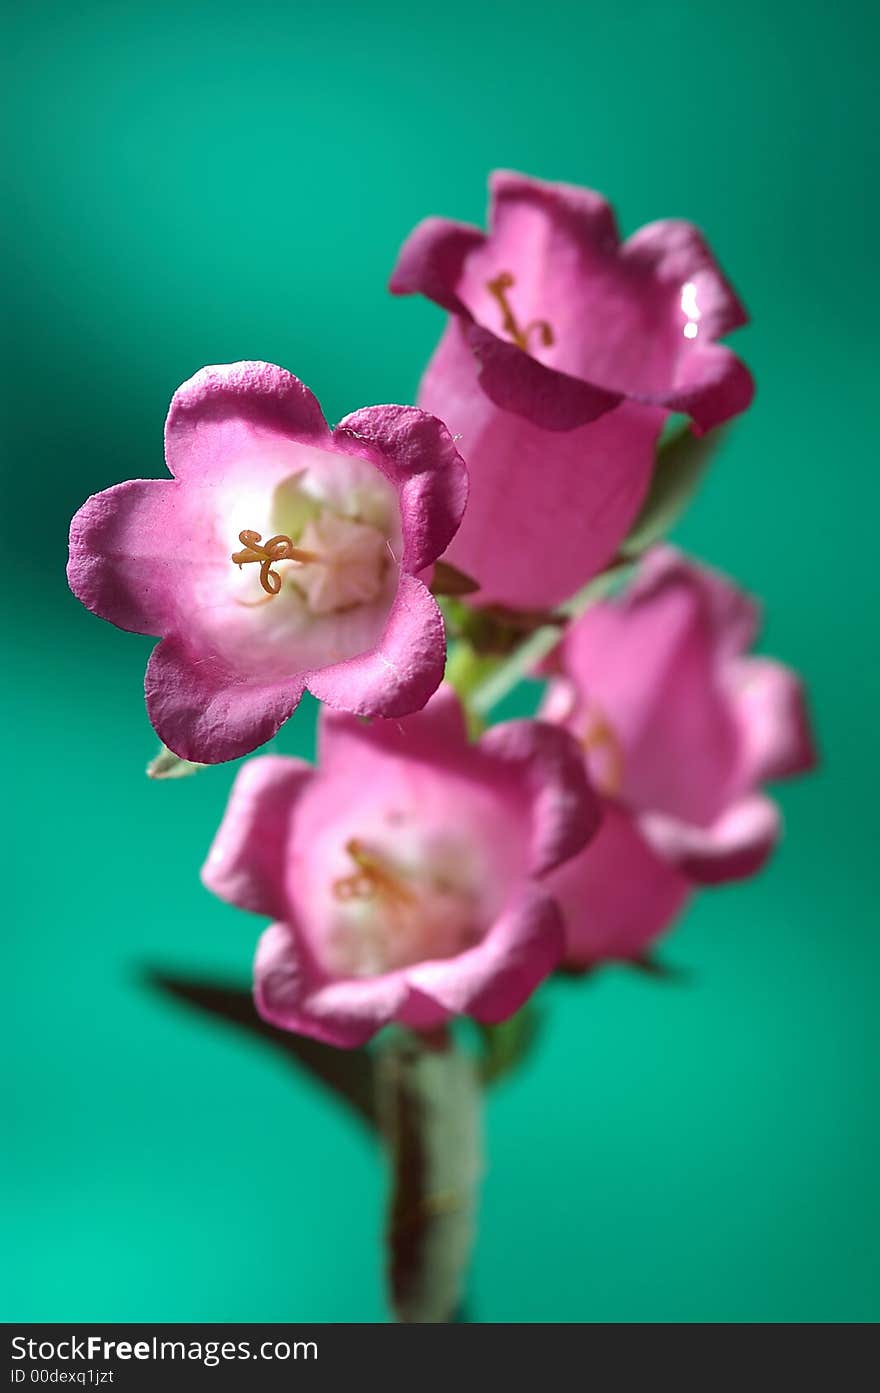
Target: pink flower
(405,873)
(680,728)
(281,556)
(565,351)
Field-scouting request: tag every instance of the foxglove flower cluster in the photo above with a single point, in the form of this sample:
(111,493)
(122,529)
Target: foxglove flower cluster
(426,868)
(414,875)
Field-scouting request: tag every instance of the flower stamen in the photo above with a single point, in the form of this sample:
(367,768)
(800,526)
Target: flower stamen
(278,548)
(373,879)
(498,288)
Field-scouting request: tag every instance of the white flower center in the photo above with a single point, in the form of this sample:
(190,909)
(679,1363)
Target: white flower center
(392,909)
(328,541)
(350,565)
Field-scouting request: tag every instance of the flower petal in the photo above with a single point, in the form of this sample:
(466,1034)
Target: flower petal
(617,895)
(416,452)
(517,382)
(581,215)
(437,733)
(205,713)
(246,863)
(231,418)
(676,253)
(733,614)
(546,509)
(549,768)
(712,385)
(129,553)
(401,672)
(492,980)
(772,711)
(734,847)
(650,664)
(431,259)
(344,1013)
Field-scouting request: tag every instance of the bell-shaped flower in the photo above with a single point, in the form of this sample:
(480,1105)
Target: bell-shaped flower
(680,727)
(406,873)
(565,351)
(281,556)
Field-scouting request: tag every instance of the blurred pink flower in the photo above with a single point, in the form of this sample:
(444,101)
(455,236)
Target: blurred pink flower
(680,728)
(281,556)
(406,873)
(565,351)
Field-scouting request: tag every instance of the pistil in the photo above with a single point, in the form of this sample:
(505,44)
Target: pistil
(372,879)
(600,735)
(498,288)
(266,554)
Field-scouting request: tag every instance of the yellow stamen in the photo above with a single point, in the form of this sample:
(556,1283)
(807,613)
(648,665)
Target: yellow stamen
(373,879)
(600,735)
(498,289)
(278,548)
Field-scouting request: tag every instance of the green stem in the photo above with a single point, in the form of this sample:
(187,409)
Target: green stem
(467,670)
(523,661)
(430,1109)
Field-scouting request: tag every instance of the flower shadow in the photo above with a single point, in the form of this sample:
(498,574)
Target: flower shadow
(347,1073)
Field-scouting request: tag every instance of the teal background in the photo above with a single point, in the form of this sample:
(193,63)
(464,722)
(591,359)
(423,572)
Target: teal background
(193,183)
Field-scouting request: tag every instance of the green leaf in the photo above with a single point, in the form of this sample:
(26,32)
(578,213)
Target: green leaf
(650,966)
(507,1044)
(168,765)
(430,1110)
(677,473)
(449,580)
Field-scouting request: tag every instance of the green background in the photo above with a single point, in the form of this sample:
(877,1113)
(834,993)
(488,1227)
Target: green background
(193,183)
